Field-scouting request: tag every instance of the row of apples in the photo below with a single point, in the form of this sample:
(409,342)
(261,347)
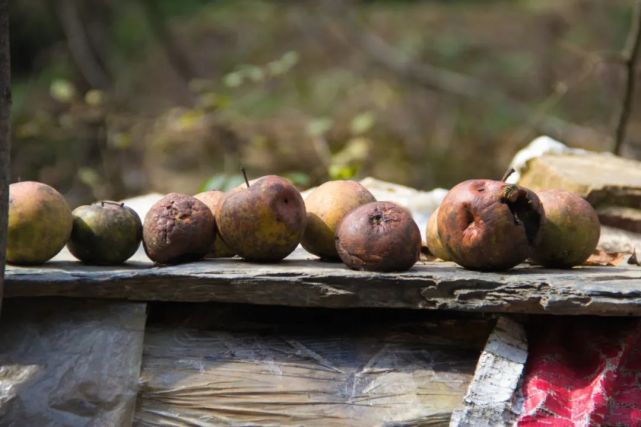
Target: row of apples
(483,225)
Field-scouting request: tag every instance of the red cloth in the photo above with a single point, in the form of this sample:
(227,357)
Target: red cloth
(583,371)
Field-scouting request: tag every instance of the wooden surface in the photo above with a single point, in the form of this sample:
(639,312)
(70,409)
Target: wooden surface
(303,281)
(490,398)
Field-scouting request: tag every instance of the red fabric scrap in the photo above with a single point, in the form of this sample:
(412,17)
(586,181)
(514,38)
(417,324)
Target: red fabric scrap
(583,372)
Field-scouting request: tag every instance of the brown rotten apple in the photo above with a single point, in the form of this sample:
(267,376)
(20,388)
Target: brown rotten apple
(378,236)
(489,225)
(178,228)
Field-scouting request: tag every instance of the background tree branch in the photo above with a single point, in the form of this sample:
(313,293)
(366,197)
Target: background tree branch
(631,55)
(453,83)
(5,103)
(79,44)
(175,55)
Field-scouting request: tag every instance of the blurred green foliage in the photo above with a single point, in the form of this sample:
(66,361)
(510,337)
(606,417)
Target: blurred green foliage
(116,98)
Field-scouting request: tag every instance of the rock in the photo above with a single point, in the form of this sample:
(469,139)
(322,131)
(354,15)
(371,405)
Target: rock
(611,184)
(621,217)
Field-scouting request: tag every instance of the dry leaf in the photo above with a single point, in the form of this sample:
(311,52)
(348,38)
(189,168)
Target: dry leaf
(603,258)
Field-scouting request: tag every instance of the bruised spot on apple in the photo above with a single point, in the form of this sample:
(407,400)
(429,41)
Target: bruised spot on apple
(263,221)
(489,225)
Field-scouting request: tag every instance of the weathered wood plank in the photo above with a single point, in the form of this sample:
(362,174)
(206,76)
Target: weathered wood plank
(304,282)
(491,398)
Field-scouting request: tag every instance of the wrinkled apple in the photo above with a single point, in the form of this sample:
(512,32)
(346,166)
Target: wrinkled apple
(379,236)
(489,225)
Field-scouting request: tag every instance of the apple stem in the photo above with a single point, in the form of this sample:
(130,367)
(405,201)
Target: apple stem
(507,174)
(111,202)
(245,176)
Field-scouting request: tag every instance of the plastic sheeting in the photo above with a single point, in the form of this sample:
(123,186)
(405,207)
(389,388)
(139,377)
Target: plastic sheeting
(69,363)
(342,369)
